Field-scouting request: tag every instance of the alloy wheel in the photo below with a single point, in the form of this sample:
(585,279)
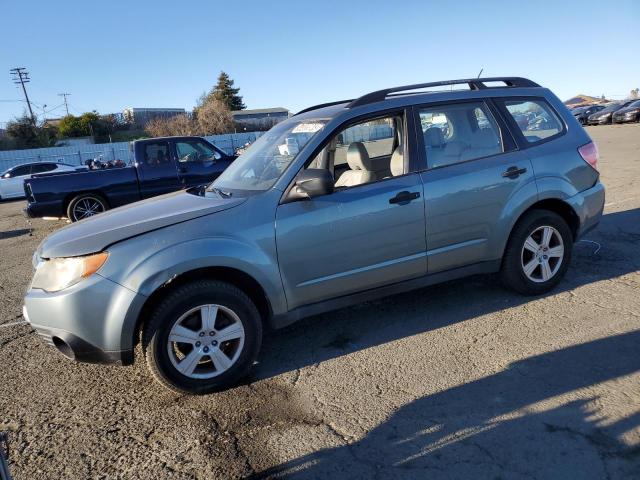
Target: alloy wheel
(542,254)
(206,341)
(87,207)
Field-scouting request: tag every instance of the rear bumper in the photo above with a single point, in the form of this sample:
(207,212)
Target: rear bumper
(39,209)
(589,205)
(92,321)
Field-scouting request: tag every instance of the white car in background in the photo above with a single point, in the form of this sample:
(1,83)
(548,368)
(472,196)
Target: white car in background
(11,180)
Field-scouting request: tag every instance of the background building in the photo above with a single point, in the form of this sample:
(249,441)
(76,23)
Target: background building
(140,116)
(259,118)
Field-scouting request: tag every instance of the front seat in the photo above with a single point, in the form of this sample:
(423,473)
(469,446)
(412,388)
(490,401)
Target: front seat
(397,161)
(360,165)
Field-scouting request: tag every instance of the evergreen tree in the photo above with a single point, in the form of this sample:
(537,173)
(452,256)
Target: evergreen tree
(226,93)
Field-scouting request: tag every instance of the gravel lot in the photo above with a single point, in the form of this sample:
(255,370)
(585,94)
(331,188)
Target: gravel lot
(462,380)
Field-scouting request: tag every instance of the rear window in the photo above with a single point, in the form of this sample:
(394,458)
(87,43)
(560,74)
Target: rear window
(535,118)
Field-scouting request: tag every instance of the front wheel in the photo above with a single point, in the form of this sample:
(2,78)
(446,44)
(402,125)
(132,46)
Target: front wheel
(538,253)
(203,337)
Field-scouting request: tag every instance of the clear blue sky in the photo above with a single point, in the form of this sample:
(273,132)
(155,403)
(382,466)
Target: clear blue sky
(110,55)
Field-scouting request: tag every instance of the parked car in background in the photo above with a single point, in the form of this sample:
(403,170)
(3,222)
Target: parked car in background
(342,217)
(582,114)
(605,115)
(160,165)
(11,180)
(628,113)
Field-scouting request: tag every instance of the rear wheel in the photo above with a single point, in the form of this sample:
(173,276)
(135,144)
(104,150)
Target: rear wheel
(85,206)
(538,253)
(203,337)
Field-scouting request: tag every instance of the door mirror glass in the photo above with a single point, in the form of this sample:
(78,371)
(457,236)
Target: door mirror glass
(310,183)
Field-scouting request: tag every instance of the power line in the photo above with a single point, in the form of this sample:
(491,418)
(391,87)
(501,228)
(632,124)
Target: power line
(65,95)
(21,76)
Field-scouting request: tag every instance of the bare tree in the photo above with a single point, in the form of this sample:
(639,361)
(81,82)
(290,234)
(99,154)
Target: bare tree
(213,117)
(176,125)
(158,127)
(182,125)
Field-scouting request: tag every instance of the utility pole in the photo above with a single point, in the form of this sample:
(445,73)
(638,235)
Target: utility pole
(66,106)
(21,76)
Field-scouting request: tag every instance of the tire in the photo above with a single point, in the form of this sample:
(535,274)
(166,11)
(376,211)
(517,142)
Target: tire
(185,367)
(548,268)
(91,203)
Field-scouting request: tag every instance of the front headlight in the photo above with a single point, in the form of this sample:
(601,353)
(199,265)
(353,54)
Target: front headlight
(58,273)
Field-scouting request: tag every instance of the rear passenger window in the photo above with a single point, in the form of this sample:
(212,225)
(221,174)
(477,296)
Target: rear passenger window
(535,118)
(156,154)
(459,132)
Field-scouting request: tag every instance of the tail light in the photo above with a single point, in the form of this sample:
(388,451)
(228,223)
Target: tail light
(589,154)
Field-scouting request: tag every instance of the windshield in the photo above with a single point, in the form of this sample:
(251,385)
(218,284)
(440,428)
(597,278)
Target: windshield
(611,108)
(261,165)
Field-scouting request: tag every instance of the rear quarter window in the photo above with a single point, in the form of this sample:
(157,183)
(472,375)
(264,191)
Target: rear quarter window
(535,118)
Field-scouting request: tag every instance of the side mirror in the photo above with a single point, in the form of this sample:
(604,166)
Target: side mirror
(312,182)
(6,175)
(217,156)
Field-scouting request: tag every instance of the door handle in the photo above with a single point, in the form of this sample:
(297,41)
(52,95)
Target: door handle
(404,197)
(513,172)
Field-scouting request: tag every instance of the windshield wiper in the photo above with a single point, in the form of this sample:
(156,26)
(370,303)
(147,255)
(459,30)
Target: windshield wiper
(222,193)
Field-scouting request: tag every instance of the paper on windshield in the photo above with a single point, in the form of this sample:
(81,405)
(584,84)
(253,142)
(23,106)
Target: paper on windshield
(307,128)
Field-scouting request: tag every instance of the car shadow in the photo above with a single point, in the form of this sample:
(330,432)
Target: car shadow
(15,233)
(608,252)
(500,426)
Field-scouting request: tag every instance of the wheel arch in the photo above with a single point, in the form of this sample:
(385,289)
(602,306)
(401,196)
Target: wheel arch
(69,197)
(556,205)
(242,280)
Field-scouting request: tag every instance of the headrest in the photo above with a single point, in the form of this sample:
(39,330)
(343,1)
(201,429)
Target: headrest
(357,157)
(397,161)
(433,137)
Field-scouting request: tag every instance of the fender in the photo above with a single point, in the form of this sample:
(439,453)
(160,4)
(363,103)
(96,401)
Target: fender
(144,275)
(519,202)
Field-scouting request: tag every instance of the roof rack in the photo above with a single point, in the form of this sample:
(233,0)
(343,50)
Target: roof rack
(474,84)
(322,105)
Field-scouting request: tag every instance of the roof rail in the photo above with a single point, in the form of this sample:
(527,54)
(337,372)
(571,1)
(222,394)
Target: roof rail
(322,105)
(474,84)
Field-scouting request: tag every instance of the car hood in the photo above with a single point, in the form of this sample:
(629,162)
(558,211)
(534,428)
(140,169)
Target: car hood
(94,234)
(602,113)
(624,110)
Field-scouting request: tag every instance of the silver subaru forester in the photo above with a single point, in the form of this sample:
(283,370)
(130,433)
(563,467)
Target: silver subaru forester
(343,202)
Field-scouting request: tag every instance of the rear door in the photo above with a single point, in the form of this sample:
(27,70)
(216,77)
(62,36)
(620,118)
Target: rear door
(198,161)
(157,169)
(473,171)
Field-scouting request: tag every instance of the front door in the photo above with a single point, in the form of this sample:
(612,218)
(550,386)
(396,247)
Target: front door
(368,233)
(13,185)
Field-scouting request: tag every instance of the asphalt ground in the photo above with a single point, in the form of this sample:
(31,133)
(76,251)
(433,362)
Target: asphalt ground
(460,380)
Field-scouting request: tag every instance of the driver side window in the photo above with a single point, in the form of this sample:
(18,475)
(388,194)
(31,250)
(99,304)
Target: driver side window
(193,151)
(365,152)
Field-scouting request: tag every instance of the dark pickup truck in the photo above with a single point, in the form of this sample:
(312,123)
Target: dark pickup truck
(160,165)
